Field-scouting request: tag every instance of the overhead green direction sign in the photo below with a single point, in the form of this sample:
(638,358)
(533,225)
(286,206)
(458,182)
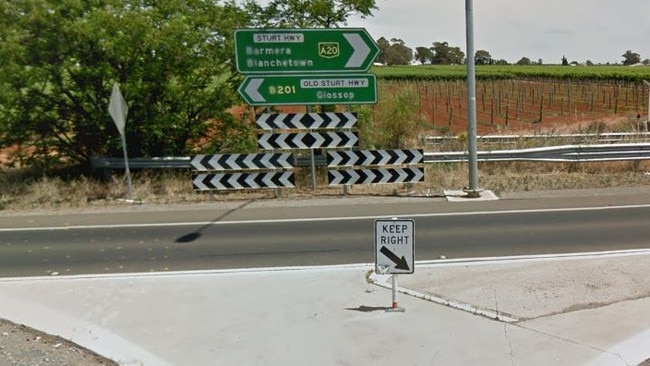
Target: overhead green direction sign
(264,51)
(309,89)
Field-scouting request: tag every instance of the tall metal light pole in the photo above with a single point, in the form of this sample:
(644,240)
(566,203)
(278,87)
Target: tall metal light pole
(473,190)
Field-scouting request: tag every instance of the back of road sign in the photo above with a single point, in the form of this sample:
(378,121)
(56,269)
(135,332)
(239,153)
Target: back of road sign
(394,241)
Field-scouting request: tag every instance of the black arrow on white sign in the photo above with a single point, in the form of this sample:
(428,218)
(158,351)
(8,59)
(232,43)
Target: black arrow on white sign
(374,157)
(306,121)
(400,263)
(256,161)
(375,176)
(307,140)
(218,181)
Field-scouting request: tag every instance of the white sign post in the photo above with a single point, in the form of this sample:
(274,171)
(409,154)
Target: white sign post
(118,111)
(394,240)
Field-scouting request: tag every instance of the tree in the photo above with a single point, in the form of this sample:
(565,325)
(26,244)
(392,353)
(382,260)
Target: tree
(397,53)
(523,61)
(423,54)
(171,59)
(483,57)
(383,45)
(307,13)
(631,58)
(443,54)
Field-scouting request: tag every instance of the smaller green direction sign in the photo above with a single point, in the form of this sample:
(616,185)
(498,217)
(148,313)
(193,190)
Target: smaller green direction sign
(299,51)
(309,89)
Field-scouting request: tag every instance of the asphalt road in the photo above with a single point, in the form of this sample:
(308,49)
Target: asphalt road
(271,234)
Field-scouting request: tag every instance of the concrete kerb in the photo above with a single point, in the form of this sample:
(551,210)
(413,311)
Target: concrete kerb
(384,281)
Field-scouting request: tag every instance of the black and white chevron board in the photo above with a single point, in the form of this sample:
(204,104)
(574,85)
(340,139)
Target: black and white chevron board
(258,161)
(306,121)
(307,140)
(224,181)
(374,157)
(375,176)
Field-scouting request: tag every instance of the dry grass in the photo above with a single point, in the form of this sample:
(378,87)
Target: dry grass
(18,193)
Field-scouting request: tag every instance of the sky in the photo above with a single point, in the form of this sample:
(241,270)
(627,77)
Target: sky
(597,30)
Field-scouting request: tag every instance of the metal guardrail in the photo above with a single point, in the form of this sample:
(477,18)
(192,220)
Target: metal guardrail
(566,153)
(109,163)
(102,162)
(610,137)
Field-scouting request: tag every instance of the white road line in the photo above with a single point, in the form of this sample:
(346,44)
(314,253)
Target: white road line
(467,262)
(319,219)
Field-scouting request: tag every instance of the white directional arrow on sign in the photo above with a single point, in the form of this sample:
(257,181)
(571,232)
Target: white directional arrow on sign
(253,90)
(361,50)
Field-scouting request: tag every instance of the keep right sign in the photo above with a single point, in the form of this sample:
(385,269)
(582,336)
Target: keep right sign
(394,240)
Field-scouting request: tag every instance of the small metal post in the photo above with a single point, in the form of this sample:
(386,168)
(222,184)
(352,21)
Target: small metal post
(313,160)
(127,171)
(394,291)
(394,307)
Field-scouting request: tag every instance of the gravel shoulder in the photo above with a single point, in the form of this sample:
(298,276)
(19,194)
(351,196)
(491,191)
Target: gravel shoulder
(23,346)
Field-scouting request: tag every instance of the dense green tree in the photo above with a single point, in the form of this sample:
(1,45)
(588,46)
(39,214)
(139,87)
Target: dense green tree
(443,54)
(524,61)
(423,55)
(307,13)
(483,57)
(398,54)
(631,58)
(60,58)
(384,45)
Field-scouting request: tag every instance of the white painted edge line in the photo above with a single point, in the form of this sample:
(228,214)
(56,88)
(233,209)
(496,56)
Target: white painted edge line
(322,219)
(532,258)
(207,272)
(477,261)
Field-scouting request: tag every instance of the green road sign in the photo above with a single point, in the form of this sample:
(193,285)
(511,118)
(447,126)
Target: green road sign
(309,89)
(322,50)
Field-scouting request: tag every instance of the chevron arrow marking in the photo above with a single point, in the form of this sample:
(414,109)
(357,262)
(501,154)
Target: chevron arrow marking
(306,121)
(375,176)
(374,157)
(224,181)
(256,161)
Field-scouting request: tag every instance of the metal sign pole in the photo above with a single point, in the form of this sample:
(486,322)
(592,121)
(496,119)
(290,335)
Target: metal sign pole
(473,191)
(394,307)
(645,125)
(313,160)
(127,171)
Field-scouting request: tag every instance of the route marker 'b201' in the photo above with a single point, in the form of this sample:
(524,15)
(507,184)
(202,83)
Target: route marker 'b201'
(309,89)
(394,240)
